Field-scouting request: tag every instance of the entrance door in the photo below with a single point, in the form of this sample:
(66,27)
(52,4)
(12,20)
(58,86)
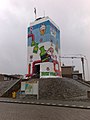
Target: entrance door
(37,71)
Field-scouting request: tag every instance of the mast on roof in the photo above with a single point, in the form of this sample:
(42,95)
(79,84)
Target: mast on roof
(35,13)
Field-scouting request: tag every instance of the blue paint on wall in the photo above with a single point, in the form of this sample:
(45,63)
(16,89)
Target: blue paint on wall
(51,33)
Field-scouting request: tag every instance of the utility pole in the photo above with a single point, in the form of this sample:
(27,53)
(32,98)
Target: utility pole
(82,60)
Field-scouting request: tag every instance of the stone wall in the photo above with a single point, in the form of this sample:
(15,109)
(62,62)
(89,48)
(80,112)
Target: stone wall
(59,89)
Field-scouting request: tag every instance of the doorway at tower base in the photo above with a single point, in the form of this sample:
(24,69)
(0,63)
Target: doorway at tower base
(45,70)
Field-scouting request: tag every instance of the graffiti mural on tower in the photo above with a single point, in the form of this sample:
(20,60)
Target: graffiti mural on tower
(43,48)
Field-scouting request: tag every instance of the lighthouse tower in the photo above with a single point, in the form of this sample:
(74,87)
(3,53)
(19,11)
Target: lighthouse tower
(43,49)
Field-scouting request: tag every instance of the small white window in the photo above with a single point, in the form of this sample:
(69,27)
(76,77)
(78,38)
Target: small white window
(56,66)
(5,78)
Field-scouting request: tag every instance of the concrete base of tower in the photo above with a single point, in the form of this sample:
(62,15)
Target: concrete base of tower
(53,88)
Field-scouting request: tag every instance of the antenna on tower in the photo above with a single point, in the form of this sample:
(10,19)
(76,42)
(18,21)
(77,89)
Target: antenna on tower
(44,13)
(35,13)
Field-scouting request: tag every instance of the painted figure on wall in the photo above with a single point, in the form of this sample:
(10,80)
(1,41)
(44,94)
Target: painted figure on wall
(42,29)
(43,45)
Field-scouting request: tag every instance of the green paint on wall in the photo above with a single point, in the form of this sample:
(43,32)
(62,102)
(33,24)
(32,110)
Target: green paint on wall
(52,74)
(45,74)
(48,74)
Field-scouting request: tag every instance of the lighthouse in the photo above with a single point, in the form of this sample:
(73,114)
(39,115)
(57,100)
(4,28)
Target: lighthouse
(43,49)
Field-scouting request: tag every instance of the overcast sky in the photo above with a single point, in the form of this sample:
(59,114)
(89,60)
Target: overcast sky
(72,16)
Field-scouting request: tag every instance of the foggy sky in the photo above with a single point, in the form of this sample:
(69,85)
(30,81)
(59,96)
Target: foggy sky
(72,16)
